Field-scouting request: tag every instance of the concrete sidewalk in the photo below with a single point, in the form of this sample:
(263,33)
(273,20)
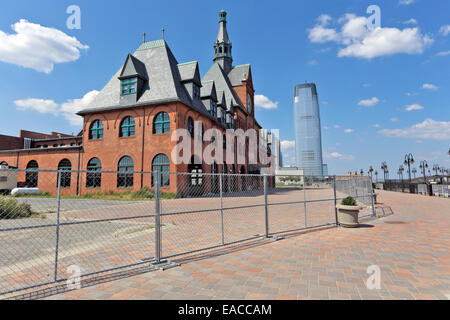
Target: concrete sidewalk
(411,248)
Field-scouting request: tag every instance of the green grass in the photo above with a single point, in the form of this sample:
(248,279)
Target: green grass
(12,209)
(144,193)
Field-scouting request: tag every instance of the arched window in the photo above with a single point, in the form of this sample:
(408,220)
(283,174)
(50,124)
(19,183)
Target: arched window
(94,176)
(4,163)
(96,130)
(161,123)
(127,127)
(32,174)
(190,126)
(66,166)
(125,175)
(161,163)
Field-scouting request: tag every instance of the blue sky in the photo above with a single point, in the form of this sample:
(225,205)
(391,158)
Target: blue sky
(382,93)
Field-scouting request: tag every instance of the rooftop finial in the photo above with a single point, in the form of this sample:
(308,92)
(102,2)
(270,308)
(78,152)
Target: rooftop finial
(143,38)
(223,16)
(163,31)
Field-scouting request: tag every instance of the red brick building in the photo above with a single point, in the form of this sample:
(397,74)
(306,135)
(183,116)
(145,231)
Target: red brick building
(128,126)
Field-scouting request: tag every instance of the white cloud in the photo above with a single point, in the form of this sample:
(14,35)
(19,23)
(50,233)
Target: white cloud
(369,103)
(360,42)
(288,152)
(394,119)
(338,156)
(429,86)
(71,107)
(40,105)
(263,102)
(66,109)
(336,126)
(376,125)
(406,2)
(443,53)
(413,107)
(37,47)
(349,130)
(313,62)
(410,21)
(287,144)
(445,30)
(429,129)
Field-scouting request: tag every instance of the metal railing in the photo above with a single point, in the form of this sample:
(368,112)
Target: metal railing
(98,221)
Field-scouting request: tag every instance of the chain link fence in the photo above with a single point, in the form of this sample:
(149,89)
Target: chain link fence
(55,222)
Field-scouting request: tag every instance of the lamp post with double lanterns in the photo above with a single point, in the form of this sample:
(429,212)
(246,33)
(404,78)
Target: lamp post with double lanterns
(424,166)
(409,160)
(370,172)
(384,167)
(436,169)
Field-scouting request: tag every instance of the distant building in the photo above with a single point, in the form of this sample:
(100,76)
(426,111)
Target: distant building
(325,170)
(275,149)
(308,139)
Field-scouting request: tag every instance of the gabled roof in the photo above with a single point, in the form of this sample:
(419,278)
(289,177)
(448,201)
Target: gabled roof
(208,90)
(189,71)
(239,74)
(164,82)
(221,99)
(222,83)
(133,67)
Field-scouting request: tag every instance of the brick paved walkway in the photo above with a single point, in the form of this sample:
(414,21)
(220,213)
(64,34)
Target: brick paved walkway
(411,247)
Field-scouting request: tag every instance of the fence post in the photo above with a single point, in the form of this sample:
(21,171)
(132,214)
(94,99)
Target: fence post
(266,207)
(374,213)
(304,199)
(157,183)
(58,210)
(221,205)
(335,201)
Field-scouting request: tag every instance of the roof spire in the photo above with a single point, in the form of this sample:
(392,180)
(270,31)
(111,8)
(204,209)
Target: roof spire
(222,46)
(163,31)
(143,38)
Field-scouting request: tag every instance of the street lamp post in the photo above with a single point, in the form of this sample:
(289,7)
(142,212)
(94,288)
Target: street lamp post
(376,176)
(384,167)
(409,160)
(414,171)
(436,169)
(370,172)
(423,166)
(401,169)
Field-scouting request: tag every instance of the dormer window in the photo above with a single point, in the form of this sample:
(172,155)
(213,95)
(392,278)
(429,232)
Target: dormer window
(213,108)
(222,117)
(128,86)
(196,92)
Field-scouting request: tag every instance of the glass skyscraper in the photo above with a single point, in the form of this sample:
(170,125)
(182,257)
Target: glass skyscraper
(308,139)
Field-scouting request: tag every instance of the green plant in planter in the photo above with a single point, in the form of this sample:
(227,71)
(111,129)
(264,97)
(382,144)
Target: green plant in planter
(349,201)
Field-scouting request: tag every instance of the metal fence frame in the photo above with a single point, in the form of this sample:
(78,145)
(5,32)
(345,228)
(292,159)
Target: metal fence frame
(352,187)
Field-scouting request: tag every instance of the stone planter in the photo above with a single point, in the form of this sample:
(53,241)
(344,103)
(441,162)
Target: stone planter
(348,216)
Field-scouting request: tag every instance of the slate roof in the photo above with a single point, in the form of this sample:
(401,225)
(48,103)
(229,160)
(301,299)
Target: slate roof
(164,82)
(239,74)
(133,67)
(222,83)
(154,61)
(189,72)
